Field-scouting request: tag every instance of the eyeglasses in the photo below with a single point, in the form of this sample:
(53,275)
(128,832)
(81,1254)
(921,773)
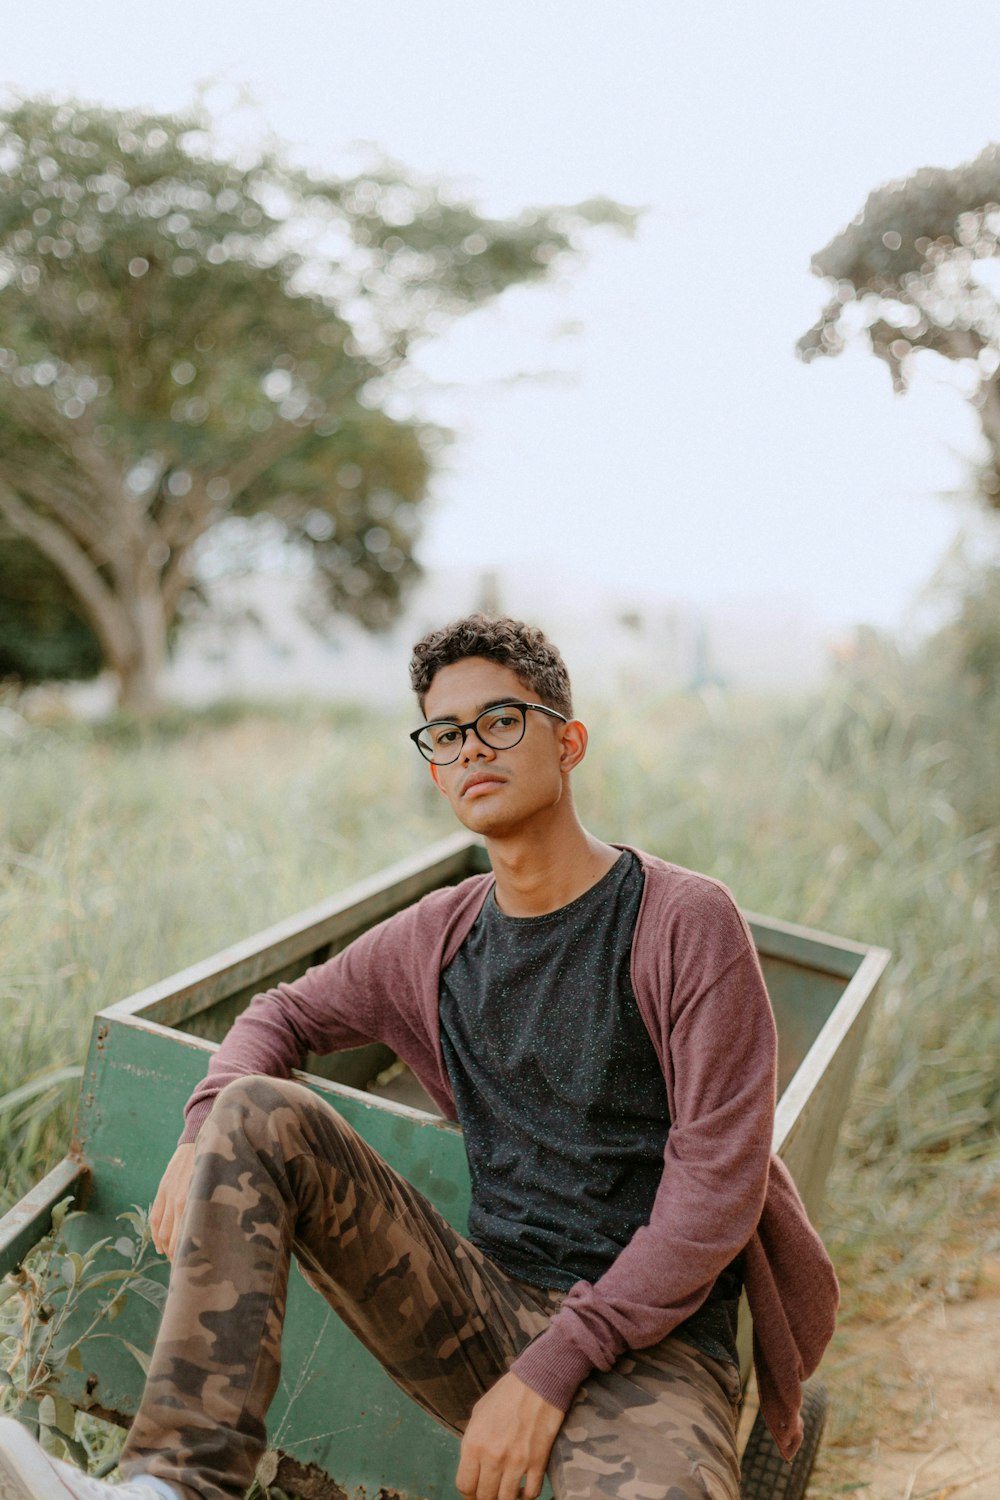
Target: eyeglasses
(499,727)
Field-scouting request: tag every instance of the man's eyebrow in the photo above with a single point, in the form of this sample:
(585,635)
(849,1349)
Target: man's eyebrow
(493,703)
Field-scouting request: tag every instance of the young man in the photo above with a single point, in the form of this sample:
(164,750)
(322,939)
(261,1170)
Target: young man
(597,1021)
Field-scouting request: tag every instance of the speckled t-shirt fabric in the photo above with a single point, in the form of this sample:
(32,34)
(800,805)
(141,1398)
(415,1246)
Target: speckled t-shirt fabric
(560,1093)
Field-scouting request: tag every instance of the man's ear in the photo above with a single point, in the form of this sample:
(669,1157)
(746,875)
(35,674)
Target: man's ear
(574,744)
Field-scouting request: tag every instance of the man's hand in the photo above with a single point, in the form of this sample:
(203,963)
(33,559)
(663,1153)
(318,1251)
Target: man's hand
(171,1196)
(509,1436)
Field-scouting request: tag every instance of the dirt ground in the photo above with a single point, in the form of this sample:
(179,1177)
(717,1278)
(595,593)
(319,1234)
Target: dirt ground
(948,1358)
(951,1356)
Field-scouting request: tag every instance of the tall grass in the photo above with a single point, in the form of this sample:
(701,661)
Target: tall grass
(125,855)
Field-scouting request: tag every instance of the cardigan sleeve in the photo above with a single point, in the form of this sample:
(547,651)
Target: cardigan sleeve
(381,988)
(704,996)
(326,1010)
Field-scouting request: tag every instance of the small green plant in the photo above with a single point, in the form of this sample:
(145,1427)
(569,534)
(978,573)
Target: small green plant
(58,1301)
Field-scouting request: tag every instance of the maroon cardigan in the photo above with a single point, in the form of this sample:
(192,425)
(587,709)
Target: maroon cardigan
(699,988)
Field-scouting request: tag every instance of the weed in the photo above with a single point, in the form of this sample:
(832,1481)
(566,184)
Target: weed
(56,1303)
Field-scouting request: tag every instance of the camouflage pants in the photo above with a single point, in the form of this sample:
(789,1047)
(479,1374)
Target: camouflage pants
(278,1170)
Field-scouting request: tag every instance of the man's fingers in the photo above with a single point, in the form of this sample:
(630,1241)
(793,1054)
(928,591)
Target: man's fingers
(484,1480)
(508,1440)
(510,1485)
(468,1475)
(533,1481)
(160,1226)
(171,1196)
(488,1487)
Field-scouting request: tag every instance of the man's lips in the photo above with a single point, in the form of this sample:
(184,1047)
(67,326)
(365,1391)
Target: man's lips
(480,782)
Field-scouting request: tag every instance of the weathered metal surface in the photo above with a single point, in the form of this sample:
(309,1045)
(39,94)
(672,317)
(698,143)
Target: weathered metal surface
(336,1410)
(811,1108)
(31,1218)
(341,1425)
(807,974)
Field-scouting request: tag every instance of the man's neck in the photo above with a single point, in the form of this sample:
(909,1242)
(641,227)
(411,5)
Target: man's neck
(536,874)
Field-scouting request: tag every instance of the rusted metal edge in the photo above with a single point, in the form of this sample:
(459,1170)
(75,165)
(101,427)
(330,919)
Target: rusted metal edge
(342,917)
(310,1481)
(30,1219)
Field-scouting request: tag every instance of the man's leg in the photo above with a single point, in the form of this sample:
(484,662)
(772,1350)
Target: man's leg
(278,1170)
(660,1425)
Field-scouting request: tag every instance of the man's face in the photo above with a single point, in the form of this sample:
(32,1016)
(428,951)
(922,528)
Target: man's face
(494,792)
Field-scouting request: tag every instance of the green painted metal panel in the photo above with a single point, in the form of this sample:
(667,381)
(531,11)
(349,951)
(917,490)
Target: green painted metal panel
(137,1080)
(803,1001)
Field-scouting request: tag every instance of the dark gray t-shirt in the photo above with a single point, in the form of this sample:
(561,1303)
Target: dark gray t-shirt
(560,1092)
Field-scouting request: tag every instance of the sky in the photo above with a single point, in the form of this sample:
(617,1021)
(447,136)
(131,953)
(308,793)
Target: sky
(670,444)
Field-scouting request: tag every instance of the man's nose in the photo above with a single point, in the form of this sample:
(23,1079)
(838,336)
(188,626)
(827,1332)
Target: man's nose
(473,748)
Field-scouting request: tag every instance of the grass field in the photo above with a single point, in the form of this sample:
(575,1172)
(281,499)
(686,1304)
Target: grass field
(870,811)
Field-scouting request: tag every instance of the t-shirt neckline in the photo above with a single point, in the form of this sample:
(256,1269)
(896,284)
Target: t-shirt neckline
(617,869)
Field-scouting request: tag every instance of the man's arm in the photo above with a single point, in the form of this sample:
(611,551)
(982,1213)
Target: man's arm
(370,991)
(327,1010)
(381,988)
(324,1011)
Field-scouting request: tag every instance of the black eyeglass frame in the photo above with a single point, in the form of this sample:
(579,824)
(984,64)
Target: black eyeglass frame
(474,725)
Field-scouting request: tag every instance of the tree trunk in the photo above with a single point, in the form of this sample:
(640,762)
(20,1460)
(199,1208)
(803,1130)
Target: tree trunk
(139,671)
(138,690)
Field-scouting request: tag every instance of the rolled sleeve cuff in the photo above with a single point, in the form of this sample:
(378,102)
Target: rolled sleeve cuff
(553,1368)
(196,1117)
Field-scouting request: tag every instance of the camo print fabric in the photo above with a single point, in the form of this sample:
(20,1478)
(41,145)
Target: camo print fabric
(277,1170)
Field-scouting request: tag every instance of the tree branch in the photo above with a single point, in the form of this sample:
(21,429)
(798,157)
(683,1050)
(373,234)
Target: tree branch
(99,605)
(173,581)
(72,435)
(72,511)
(279,440)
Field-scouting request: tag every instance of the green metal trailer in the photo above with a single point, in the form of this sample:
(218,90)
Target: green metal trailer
(339,1428)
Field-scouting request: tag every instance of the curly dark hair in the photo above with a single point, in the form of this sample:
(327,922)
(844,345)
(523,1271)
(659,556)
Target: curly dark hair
(525,649)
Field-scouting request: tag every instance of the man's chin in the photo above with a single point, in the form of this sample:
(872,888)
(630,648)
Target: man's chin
(479,817)
(477,820)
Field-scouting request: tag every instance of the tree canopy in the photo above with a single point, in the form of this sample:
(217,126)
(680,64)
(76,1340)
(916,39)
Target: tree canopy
(186,337)
(918,271)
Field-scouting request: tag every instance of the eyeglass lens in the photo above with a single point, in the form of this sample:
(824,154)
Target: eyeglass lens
(497,727)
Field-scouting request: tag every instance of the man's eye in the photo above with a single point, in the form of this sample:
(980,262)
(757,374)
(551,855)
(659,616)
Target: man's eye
(503,721)
(445,736)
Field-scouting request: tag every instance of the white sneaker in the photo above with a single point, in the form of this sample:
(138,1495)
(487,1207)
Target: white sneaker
(28,1473)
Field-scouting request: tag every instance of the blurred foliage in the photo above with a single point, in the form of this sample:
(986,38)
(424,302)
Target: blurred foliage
(41,633)
(918,271)
(187,338)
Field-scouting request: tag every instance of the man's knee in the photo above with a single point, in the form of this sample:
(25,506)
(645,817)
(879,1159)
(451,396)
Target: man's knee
(267,1111)
(258,1092)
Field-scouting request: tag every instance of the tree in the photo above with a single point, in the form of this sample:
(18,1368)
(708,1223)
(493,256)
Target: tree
(187,338)
(917,272)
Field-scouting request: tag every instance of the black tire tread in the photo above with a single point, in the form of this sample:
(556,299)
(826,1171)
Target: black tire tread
(766,1476)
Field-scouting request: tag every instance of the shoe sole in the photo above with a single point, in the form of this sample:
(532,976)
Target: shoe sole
(25,1472)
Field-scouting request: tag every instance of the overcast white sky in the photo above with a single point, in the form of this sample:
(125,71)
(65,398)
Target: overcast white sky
(686,451)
